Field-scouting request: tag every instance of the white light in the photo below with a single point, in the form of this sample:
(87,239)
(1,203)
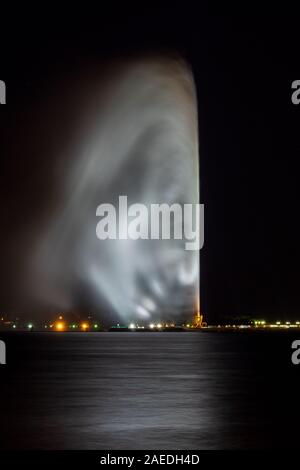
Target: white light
(148,304)
(142,312)
(132,326)
(159,325)
(152,326)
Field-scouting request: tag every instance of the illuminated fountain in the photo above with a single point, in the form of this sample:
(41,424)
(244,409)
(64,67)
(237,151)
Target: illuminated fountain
(139,140)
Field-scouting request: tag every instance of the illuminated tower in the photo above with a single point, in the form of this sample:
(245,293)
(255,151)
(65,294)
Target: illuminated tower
(198,320)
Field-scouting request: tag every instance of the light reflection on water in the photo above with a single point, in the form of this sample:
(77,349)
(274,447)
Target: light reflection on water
(136,391)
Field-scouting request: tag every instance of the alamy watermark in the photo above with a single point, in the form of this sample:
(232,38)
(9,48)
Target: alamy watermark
(295,97)
(152,222)
(296,354)
(2,352)
(2,92)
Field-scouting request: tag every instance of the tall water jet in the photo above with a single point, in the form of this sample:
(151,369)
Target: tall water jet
(138,139)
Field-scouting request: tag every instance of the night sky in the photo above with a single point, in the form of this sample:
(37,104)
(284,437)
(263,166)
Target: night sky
(249,145)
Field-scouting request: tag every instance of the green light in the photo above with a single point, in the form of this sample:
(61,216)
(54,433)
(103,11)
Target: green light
(30,326)
(96,326)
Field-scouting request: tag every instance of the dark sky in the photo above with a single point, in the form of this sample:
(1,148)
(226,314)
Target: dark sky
(249,141)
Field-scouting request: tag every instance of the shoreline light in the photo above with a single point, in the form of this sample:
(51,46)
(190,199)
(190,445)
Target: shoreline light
(60,326)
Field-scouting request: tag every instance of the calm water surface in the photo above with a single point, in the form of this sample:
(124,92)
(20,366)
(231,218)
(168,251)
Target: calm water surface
(149,391)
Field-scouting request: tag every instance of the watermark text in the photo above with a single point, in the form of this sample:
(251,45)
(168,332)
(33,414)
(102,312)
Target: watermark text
(2,352)
(2,92)
(154,222)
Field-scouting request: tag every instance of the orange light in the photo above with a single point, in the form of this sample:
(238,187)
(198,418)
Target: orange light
(59,326)
(84,326)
